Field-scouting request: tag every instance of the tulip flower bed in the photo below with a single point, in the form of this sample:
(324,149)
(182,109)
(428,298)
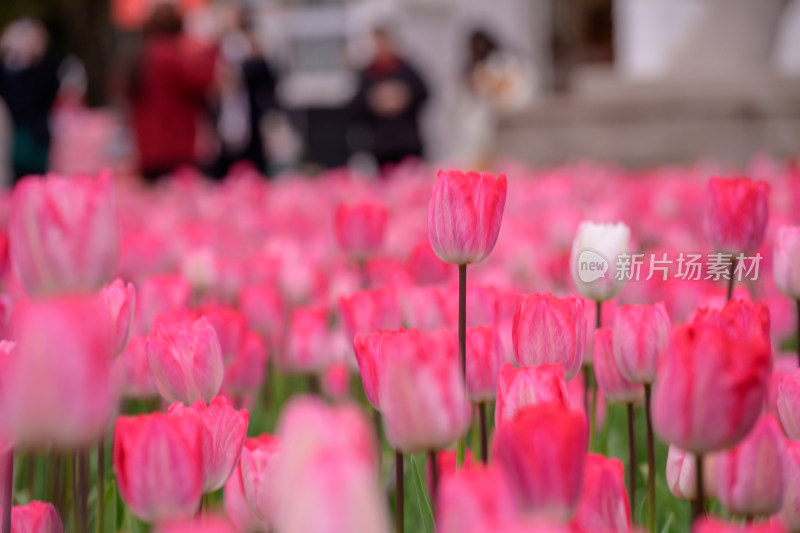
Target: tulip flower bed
(582,349)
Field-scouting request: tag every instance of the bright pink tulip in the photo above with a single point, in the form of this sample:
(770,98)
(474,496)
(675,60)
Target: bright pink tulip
(543,451)
(359,228)
(258,471)
(121,302)
(369,356)
(550,330)
(222,430)
(749,477)
(740,318)
(610,380)
(446,462)
(204,524)
(185,360)
(158,461)
(714,525)
(63,233)
(786,261)
(237,508)
(336,381)
(476,496)
(308,341)
(789,403)
(264,308)
(57,383)
(720,381)
(36,517)
(641,334)
(736,214)
(367,311)
(160,294)
(485,356)
(231,327)
(464,215)
(604,501)
(132,371)
(518,388)
(248,370)
(791,472)
(420,374)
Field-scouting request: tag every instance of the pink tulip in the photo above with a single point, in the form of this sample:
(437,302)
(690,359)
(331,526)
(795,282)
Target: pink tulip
(791,473)
(336,381)
(158,461)
(63,233)
(485,356)
(308,341)
(518,388)
(464,215)
(742,318)
(446,464)
(329,457)
(476,496)
(258,471)
(610,380)
(238,510)
(222,430)
(264,308)
(785,261)
(132,371)
(720,382)
(160,294)
(789,403)
(121,302)
(366,311)
(248,370)
(231,327)
(682,474)
(714,525)
(782,365)
(359,228)
(749,477)
(641,334)
(542,452)
(736,214)
(185,360)
(420,375)
(425,267)
(604,501)
(369,356)
(57,382)
(550,330)
(35,517)
(204,524)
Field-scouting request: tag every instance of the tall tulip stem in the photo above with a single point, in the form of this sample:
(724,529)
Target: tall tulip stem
(651,462)
(462,348)
(631,458)
(434,480)
(101,483)
(399,512)
(699,504)
(798,330)
(8,486)
(484,432)
(590,386)
(730,281)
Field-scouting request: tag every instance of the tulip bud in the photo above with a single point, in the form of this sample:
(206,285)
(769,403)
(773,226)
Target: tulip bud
(485,355)
(359,228)
(550,330)
(258,471)
(736,214)
(222,431)
(712,375)
(422,394)
(475,496)
(464,215)
(185,360)
(604,501)
(518,388)
(237,508)
(542,452)
(641,334)
(158,461)
(610,380)
(36,517)
(682,473)
(594,257)
(786,261)
(749,477)
(366,311)
(63,233)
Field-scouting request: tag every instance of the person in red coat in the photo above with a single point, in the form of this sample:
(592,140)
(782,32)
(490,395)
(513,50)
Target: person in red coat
(168,91)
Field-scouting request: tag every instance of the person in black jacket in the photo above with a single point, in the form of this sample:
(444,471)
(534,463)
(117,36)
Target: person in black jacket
(387,105)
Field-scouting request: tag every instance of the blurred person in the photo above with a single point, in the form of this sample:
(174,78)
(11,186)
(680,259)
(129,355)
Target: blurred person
(29,82)
(388,103)
(247,83)
(168,91)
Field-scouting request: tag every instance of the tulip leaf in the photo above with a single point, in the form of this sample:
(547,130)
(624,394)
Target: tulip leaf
(423,499)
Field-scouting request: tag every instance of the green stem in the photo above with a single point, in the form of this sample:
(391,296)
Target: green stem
(699,504)
(462,348)
(631,458)
(101,484)
(730,281)
(484,432)
(651,462)
(399,512)
(8,487)
(434,481)
(798,330)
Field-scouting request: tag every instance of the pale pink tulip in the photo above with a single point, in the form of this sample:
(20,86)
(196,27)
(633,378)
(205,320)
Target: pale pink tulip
(258,474)
(615,387)
(786,261)
(121,301)
(641,334)
(238,509)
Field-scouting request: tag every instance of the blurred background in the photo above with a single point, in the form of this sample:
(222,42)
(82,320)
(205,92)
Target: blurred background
(148,86)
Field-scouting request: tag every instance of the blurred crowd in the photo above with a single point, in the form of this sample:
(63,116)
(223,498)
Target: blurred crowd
(182,100)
